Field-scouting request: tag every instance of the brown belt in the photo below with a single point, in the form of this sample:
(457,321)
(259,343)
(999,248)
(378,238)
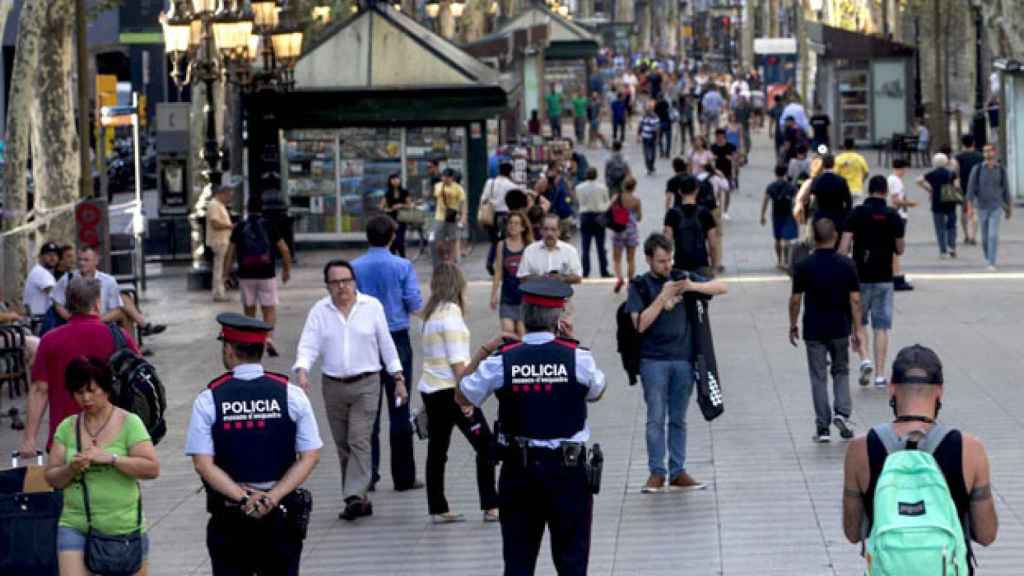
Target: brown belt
(350,379)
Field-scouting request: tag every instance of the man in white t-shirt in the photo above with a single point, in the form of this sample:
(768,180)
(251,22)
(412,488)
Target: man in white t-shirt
(40,281)
(898,200)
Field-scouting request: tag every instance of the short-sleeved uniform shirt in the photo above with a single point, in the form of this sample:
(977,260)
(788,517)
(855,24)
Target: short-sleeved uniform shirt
(110,292)
(244,233)
(876,227)
(579,106)
(826,279)
(199,439)
(669,337)
(854,169)
(554,104)
(113,495)
(832,194)
(83,335)
(35,296)
(781,193)
(820,124)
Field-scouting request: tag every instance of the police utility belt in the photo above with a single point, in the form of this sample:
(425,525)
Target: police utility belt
(519,451)
(294,509)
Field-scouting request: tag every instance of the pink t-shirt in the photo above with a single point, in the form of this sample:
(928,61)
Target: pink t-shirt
(83,335)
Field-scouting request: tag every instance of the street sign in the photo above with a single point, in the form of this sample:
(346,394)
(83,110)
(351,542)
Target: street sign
(117,116)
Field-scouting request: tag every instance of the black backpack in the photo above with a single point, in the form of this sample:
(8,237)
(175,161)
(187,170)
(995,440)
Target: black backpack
(254,250)
(137,388)
(627,337)
(691,240)
(615,172)
(706,194)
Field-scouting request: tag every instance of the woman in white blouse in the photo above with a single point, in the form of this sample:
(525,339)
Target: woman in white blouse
(445,358)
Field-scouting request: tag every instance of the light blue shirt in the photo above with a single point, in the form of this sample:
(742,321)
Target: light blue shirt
(490,376)
(392,280)
(199,439)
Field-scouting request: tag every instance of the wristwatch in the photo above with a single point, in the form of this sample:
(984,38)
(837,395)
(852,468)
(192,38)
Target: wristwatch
(113,459)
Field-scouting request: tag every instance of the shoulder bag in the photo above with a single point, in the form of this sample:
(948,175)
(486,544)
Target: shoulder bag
(485,213)
(109,555)
(950,194)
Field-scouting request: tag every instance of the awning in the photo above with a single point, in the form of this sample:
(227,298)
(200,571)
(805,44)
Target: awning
(836,43)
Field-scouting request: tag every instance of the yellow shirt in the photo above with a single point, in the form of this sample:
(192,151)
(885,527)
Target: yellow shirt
(449,196)
(854,169)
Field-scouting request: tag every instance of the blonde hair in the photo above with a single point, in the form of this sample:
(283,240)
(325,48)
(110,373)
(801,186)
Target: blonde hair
(817,165)
(447,284)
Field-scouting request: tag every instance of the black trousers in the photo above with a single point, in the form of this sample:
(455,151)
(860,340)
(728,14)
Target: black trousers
(618,131)
(591,230)
(443,415)
(241,546)
(545,493)
(403,463)
(665,140)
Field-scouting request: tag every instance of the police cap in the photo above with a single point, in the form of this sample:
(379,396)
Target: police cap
(242,329)
(546,292)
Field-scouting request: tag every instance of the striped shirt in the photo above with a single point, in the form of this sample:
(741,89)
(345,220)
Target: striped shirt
(445,342)
(649,126)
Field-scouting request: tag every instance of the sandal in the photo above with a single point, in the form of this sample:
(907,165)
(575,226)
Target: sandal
(491,516)
(447,518)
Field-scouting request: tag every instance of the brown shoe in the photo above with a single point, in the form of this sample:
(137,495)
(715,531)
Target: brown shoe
(685,482)
(655,484)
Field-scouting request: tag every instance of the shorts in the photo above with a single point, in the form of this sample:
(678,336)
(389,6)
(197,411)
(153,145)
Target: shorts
(785,228)
(510,312)
(262,291)
(876,304)
(447,231)
(71,540)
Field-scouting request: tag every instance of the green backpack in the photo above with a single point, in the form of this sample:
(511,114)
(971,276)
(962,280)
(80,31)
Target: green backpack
(916,528)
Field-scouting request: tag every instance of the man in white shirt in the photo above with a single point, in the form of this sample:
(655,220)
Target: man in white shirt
(495,190)
(550,257)
(350,331)
(898,200)
(40,281)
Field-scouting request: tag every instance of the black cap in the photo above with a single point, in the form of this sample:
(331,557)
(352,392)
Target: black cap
(917,365)
(449,172)
(50,248)
(242,329)
(545,292)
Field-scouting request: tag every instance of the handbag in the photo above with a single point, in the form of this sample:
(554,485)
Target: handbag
(485,213)
(950,194)
(109,555)
(420,423)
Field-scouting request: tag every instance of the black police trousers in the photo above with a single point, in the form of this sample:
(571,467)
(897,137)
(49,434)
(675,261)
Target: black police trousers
(242,546)
(544,493)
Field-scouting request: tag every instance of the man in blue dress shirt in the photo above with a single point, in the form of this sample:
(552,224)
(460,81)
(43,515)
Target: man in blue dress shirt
(392,280)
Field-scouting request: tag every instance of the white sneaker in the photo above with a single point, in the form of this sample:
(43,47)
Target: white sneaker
(991,268)
(726,217)
(866,368)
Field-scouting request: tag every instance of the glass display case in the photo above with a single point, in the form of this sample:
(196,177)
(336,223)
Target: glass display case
(854,105)
(310,161)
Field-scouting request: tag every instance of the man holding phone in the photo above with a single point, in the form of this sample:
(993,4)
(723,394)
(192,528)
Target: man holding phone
(550,257)
(666,360)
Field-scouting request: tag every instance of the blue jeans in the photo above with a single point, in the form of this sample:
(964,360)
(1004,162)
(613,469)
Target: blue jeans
(945,230)
(989,219)
(668,385)
(665,139)
(650,152)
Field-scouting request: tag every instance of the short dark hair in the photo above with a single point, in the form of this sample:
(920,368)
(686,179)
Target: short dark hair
(801,149)
(505,169)
(679,165)
(967,140)
(655,241)
(617,146)
(82,295)
(899,163)
(85,369)
(720,132)
(780,170)
(848,144)
(336,263)
(689,186)
(828,161)
(380,230)
(591,173)
(824,231)
(248,351)
(878,185)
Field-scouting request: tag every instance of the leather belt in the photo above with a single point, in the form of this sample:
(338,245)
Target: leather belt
(350,379)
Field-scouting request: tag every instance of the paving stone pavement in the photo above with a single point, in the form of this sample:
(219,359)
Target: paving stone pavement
(773,501)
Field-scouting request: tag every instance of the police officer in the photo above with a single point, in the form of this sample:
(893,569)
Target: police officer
(543,385)
(254,440)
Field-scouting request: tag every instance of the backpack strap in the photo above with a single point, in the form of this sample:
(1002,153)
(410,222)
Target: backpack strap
(926,443)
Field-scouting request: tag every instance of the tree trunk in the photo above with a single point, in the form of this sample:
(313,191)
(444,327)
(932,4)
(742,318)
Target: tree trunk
(56,168)
(18,106)
(937,124)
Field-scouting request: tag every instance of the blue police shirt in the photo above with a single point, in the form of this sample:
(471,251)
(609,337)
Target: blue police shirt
(199,439)
(392,280)
(490,376)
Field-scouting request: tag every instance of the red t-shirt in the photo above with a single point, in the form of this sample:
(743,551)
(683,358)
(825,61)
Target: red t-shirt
(83,335)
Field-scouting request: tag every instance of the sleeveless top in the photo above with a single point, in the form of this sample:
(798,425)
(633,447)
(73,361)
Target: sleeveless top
(510,294)
(949,456)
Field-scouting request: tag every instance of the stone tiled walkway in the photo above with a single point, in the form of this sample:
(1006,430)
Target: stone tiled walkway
(773,501)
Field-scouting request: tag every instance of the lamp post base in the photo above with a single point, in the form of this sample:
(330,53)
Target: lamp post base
(200,279)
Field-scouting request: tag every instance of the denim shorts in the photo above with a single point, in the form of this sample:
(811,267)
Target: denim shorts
(71,540)
(876,303)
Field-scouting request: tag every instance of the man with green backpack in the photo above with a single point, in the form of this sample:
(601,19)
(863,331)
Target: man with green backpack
(916,492)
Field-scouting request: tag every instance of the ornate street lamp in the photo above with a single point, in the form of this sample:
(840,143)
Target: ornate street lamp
(433,9)
(457,8)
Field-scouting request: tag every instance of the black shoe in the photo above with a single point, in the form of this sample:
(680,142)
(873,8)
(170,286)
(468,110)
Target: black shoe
(607,275)
(151,329)
(146,351)
(271,351)
(823,436)
(901,285)
(416,485)
(356,508)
